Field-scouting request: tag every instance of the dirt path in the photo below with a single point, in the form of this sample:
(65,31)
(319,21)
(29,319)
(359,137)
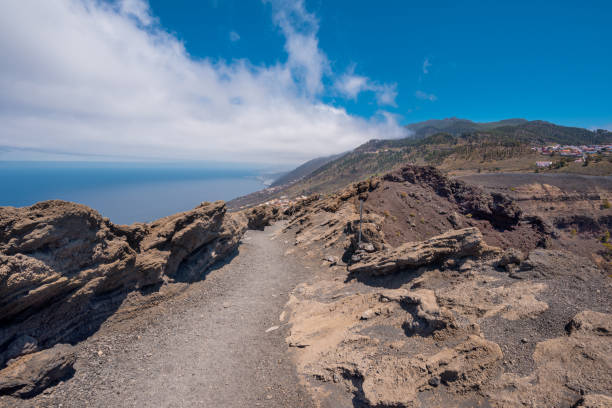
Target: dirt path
(209,347)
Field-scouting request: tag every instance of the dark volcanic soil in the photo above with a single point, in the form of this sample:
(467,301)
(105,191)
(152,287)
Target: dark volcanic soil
(208,347)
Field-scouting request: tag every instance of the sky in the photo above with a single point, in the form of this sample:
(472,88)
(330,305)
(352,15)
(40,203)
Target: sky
(284,81)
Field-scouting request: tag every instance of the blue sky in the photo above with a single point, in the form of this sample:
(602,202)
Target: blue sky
(481,60)
(283,81)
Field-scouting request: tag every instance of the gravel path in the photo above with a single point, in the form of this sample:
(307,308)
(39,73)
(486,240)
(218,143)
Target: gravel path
(209,347)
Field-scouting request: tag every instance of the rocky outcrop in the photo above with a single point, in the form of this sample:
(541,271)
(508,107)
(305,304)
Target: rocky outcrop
(257,218)
(64,269)
(452,244)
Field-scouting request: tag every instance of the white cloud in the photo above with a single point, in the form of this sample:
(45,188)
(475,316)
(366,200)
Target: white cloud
(426,65)
(234,36)
(306,62)
(386,94)
(91,78)
(425,96)
(351,85)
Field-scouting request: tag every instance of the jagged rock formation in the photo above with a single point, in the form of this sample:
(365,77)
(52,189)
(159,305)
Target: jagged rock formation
(64,269)
(446,318)
(452,244)
(409,205)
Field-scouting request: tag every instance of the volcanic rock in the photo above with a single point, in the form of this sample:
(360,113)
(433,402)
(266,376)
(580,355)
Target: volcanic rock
(32,373)
(456,244)
(64,269)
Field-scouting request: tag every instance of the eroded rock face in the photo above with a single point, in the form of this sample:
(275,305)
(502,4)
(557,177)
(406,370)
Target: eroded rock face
(452,244)
(64,269)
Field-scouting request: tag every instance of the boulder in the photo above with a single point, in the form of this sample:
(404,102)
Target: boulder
(510,256)
(31,374)
(452,244)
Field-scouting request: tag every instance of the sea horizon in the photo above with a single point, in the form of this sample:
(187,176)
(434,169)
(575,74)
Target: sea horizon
(125,192)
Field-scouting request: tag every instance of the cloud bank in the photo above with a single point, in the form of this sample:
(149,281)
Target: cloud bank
(87,77)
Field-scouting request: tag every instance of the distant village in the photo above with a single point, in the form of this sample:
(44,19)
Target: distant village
(580,153)
(284,202)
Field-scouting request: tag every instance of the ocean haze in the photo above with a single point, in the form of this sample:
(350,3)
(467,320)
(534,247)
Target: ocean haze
(124,192)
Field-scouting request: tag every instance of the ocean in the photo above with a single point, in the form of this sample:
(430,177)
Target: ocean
(124,192)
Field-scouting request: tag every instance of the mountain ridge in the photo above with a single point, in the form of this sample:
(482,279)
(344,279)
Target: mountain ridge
(452,144)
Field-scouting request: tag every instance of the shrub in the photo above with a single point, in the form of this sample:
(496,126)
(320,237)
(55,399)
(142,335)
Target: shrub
(573,232)
(606,237)
(403,194)
(412,214)
(468,215)
(386,213)
(605,204)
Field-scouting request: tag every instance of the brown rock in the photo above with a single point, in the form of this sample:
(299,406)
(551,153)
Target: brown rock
(509,257)
(456,244)
(29,375)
